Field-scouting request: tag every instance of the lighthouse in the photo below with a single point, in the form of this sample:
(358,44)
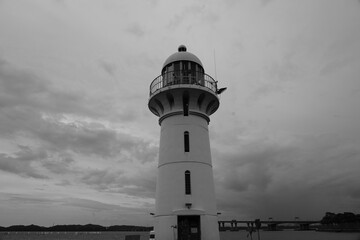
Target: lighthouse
(183,97)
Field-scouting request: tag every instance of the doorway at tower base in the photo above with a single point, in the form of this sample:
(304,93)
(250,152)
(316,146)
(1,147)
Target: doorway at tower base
(187,227)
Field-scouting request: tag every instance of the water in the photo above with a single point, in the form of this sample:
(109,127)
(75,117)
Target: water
(70,235)
(241,235)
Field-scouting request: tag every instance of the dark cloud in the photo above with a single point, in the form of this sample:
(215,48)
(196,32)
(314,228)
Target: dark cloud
(24,89)
(21,162)
(59,165)
(95,139)
(102,179)
(63,130)
(263,179)
(32,105)
(27,95)
(145,152)
(254,168)
(82,139)
(25,98)
(64,182)
(142,184)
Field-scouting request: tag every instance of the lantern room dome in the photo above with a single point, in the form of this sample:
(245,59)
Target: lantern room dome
(182,55)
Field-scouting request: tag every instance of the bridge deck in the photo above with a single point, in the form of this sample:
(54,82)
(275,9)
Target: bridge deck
(273,221)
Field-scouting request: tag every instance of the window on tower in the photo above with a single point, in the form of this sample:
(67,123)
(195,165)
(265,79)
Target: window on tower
(186,103)
(187,182)
(186,141)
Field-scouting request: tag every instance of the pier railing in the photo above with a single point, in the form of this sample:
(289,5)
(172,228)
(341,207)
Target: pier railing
(183,77)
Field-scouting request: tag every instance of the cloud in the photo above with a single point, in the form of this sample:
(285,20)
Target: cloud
(136,30)
(22,199)
(32,105)
(253,167)
(275,76)
(23,91)
(20,86)
(88,204)
(29,209)
(21,162)
(60,165)
(268,179)
(108,67)
(335,65)
(95,139)
(187,14)
(64,202)
(83,139)
(103,179)
(266,2)
(25,96)
(139,184)
(284,70)
(62,131)
(19,82)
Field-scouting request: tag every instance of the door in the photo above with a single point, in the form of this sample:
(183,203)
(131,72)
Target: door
(189,228)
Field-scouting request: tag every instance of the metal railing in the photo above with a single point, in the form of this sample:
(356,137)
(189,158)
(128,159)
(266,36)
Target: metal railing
(183,77)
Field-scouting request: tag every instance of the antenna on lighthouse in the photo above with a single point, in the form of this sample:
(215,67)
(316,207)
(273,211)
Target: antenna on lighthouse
(215,65)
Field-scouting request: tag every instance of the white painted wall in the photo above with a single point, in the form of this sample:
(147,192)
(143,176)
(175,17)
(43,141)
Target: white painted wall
(173,162)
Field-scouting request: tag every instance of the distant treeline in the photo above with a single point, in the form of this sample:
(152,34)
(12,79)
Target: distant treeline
(338,218)
(75,228)
(339,222)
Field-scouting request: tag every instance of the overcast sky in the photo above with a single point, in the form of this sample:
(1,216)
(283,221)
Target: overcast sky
(78,144)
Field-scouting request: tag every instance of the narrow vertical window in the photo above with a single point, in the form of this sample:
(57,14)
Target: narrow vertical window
(186,103)
(186,142)
(187,182)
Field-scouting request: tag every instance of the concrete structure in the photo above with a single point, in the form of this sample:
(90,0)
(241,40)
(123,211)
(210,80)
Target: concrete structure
(183,97)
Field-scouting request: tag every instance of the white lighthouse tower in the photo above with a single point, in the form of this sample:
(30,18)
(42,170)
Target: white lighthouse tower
(183,97)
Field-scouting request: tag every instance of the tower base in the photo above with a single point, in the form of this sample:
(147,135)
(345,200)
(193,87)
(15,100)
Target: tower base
(187,227)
